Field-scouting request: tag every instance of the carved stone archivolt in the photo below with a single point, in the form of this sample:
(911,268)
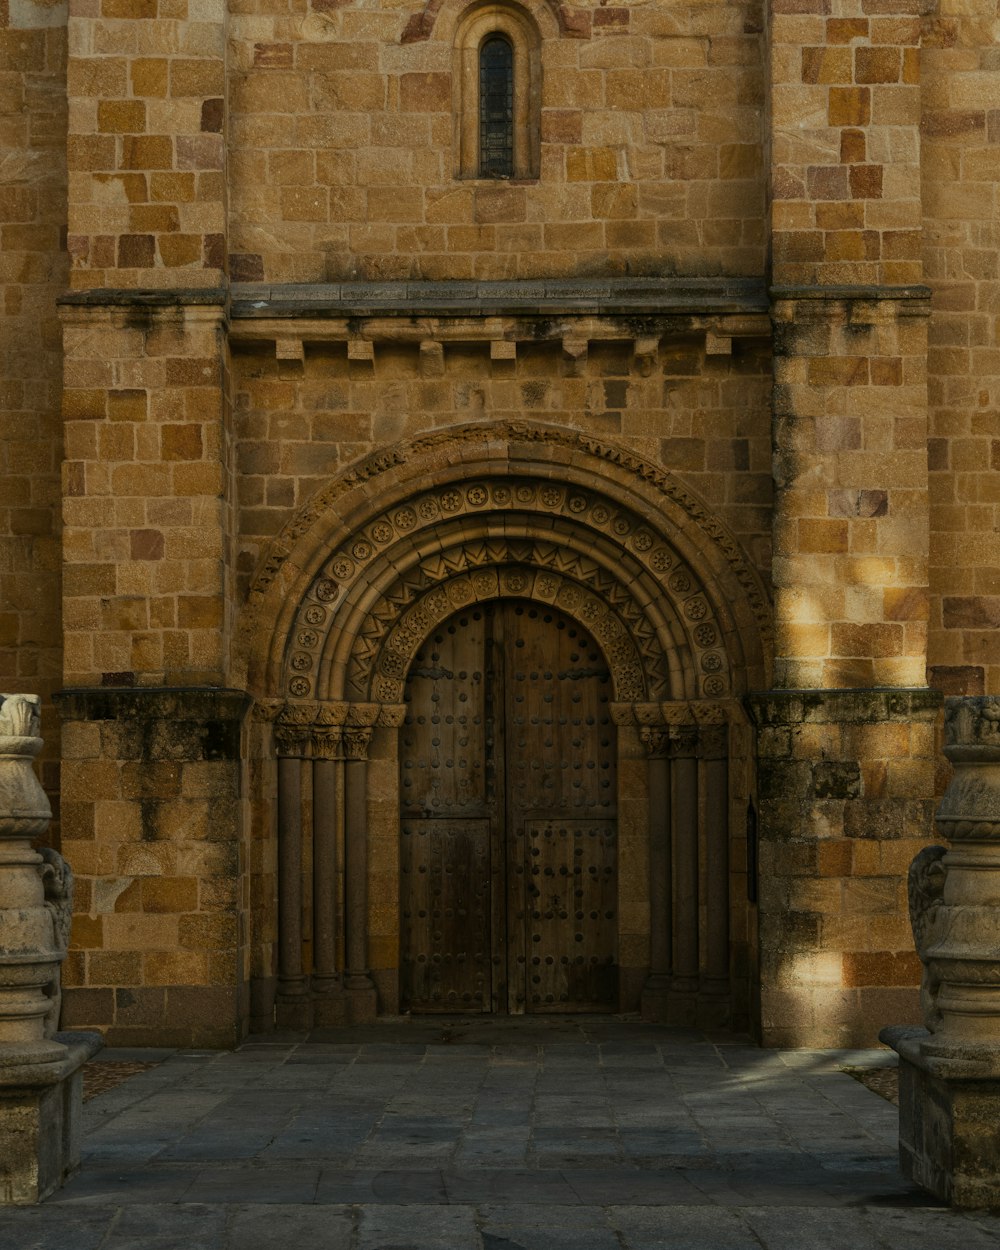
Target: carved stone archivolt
(505,509)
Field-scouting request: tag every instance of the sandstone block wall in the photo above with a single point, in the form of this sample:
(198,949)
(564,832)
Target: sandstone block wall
(300,422)
(960,59)
(152,825)
(343,137)
(149,497)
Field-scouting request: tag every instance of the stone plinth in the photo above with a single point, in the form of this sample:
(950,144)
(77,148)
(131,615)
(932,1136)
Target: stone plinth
(40,1080)
(949,1120)
(41,1100)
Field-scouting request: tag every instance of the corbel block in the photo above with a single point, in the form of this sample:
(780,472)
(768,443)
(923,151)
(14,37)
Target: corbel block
(431,359)
(718,344)
(644,351)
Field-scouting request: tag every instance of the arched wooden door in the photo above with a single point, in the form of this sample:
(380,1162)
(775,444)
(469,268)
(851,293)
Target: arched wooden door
(509,890)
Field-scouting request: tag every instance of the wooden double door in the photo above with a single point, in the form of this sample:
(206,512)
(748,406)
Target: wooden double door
(508,864)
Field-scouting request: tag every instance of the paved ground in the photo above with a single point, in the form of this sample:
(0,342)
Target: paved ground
(508,1135)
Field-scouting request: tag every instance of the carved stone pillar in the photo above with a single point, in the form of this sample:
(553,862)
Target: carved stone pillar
(358,982)
(40,1082)
(715,983)
(328,814)
(950,1071)
(291,735)
(683,747)
(655,991)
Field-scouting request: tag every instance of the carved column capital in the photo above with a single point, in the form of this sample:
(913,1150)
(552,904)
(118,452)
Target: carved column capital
(656,740)
(327,742)
(357,740)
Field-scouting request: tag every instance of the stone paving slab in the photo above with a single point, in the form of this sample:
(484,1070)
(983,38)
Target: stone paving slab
(585,1135)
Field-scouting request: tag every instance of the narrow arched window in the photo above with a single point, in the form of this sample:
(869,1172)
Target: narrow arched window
(496,107)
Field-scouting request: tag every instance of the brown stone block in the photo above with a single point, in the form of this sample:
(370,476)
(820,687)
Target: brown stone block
(877,65)
(164,968)
(181,442)
(847,674)
(400,203)
(834,857)
(124,612)
(204,76)
(838,370)
(121,116)
(562,126)
(200,151)
(86,405)
(206,1014)
(199,611)
(957,679)
(424,93)
(971,612)
(202,931)
(89,579)
(849,106)
(613,200)
(305,204)
(853,245)
(799,245)
(866,182)
(90,152)
(870,639)
(906,603)
(846,29)
(87,1008)
(193,478)
(827,65)
(882,968)
(172,188)
(87,933)
(149,76)
(136,931)
(591,164)
(147,152)
(177,250)
(139,1005)
(136,251)
(169,894)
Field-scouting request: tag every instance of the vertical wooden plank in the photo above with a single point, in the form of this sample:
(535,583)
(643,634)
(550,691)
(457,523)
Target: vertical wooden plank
(561,783)
(445,873)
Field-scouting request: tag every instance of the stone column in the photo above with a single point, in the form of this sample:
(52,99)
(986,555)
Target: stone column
(291,746)
(328,821)
(950,1070)
(40,1082)
(655,993)
(715,984)
(358,983)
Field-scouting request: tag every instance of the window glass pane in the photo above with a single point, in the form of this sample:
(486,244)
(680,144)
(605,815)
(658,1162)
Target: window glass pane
(496,108)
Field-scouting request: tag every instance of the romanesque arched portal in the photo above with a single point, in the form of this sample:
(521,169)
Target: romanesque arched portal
(460,526)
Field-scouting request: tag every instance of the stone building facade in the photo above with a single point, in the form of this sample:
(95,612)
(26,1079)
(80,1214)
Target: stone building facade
(513,583)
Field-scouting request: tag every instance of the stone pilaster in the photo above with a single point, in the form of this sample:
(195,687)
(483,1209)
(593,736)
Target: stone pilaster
(846,786)
(154,823)
(146,145)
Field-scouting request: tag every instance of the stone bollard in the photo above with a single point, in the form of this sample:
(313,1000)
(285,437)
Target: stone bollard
(949,1105)
(40,1078)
